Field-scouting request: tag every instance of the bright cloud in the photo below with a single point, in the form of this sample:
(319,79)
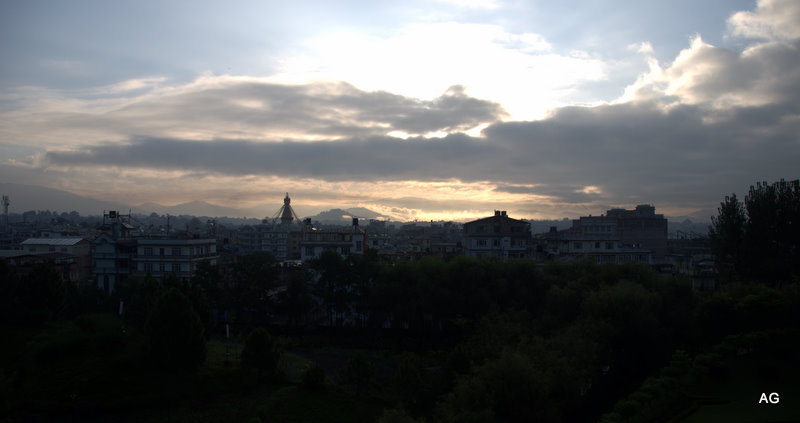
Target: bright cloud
(517,70)
(772,20)
(427,120)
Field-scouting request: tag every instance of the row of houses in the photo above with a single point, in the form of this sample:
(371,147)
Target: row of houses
(618,236)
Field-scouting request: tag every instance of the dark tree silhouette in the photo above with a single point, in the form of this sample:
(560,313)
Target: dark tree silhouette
(175,336)
(261,353)
(759,240)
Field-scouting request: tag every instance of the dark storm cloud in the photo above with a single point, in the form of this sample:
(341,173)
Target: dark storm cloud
(319,109)
(627,150)
(371,158)
(711,123)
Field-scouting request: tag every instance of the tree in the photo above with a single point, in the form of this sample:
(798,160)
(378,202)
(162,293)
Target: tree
(175,339)
(726,234)
(332,284)
(261,352)
(758,239)
(254,275)
(772,231)
(359,372)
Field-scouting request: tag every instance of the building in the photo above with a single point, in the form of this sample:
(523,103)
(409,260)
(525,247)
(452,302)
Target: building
(73,255)
(497,235)
(113,251)
(343,241)
(170,256)
(619,236)
(117,255)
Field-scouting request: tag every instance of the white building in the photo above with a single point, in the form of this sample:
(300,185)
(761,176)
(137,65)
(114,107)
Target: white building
(179,257)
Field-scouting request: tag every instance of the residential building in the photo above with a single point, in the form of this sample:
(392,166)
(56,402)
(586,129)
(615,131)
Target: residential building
(112,261)
(619,236)
(74,251)
(497,235)
(170,256)
(343,241)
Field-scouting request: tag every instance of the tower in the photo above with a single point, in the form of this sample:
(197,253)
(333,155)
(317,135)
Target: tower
(286,213)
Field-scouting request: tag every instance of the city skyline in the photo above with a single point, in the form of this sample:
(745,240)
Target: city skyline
(443,110)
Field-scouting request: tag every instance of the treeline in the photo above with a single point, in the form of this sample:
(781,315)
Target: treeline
(758,239)
(470,340)
(452,340)
(486,340)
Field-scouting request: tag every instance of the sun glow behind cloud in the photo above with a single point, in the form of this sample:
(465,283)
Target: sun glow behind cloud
(517,70)
(425,120)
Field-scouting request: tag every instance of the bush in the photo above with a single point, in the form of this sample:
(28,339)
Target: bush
(314,378)
(261,352)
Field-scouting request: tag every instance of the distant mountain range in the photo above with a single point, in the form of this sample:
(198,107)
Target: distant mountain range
(30,197)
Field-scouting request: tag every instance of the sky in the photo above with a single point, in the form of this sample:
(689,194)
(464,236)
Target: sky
(442,110)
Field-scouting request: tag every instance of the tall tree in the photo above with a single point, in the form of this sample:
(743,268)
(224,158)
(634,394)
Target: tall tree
(758,239)
(773,224)
(175,334)
(727,234)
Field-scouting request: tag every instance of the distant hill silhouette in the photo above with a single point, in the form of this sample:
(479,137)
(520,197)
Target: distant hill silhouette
(31,197)
(345,216)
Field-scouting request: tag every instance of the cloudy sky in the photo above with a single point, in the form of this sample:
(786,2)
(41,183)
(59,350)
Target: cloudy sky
(424,110)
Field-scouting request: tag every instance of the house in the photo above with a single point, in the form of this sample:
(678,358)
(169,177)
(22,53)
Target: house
(73,250)
(497,235)
(344,241)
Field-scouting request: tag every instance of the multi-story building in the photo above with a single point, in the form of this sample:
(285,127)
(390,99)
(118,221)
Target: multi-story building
(343,241)
(112,260)
(619,236)
(116,255)
(170,256)
(497,235)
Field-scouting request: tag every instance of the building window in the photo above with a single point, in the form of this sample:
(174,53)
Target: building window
(176,251)
(148,267)
(309,251)
(161,267)
(578,245)
(345,250)
(481,243)
(609,245)
(596,245)
(358,245)
(148,251)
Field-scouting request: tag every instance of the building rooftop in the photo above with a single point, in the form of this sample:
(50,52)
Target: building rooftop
(53,241)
